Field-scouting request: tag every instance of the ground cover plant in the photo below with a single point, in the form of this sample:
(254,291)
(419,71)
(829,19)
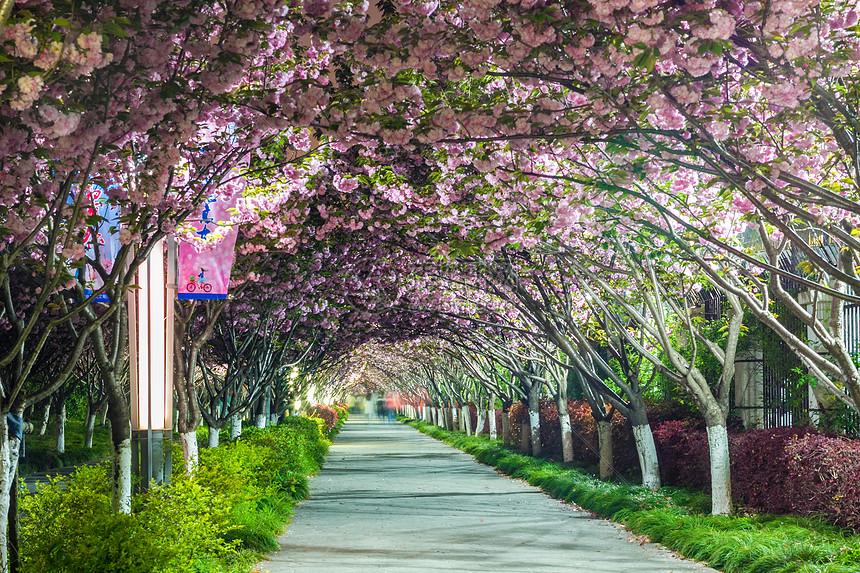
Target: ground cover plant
(677,518)
(41,451)
(218,520)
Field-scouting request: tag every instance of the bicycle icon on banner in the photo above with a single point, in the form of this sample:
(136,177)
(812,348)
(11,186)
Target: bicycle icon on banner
(199,282)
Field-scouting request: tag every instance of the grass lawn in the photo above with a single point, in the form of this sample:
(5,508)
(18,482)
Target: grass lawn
(40,452)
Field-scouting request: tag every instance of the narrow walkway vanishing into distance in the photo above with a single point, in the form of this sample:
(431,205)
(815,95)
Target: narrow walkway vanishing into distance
(391,499)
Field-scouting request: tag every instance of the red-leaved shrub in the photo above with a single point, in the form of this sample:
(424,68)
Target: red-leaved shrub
(682,452)
(825,477)
(585,444)
(327,414)
(760,459)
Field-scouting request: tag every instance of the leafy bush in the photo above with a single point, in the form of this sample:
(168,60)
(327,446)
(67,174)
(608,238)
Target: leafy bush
(683,454)
(760,462)
(327,414)
(825,474)
(585,442)
(737,544)
(71,529)
(240,497)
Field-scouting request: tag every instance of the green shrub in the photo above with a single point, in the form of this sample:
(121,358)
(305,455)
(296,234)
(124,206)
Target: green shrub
(239,498)
(72,529)
(676,518)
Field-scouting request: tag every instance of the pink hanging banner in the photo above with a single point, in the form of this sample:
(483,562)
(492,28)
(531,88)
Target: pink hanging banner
(206,275)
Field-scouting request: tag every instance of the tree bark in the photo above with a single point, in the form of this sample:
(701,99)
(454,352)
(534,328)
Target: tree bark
(213,437)
(90,428)
(604,438)
(525,439)
(46,415)
(235,426)
(60,425)
(506,428)
(534,418)
(9,451)
(190,451)
(467,420)
(647,452)
(494,434)
(566,435)
(721,481)
(120,426)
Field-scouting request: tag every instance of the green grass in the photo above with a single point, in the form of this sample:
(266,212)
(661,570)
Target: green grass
(41,451)
(678,518)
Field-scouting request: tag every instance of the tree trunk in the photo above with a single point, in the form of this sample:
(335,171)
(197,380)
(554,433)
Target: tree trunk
(525,439)
(534,418)
(105,415)
(275,418)
(566,435)
(455,418)
(213,437)
(90,428)
(479,421)
(9,451)
(647,452)
(721,481)
(46,415)
(60,422)
(467,420)
(506,428)
(604,439)
(260,420)
(235,426)
(190,451)
(494,434)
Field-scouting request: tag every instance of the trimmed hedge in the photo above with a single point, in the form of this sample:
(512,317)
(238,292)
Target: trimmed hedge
(737,544)
(779,470)
(239,499)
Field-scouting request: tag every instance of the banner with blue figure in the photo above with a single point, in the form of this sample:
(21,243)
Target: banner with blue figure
(104,235)
(205,274)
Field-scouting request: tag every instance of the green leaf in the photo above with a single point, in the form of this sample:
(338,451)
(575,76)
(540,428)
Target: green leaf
(115,29)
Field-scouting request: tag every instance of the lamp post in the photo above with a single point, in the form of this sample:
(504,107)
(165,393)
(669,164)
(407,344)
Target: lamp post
(150,327)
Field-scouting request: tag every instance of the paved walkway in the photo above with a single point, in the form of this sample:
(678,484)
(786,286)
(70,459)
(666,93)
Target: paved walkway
(391,499)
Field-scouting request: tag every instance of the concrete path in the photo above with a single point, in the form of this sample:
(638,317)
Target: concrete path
(391,499)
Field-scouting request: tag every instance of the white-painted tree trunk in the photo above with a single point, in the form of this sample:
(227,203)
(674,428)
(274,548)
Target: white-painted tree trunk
(534,427)
(90,428)
(121,460)
(260,420)
(190,451)
(604,439)
(647,452)
(9,451)
(506,428)
(479,422)
(60,421)
(467,420)
(235,426)
(274,419)
(721,481)
(455,418)
(566,436)
(46,415)
(494,434)
(213,437)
